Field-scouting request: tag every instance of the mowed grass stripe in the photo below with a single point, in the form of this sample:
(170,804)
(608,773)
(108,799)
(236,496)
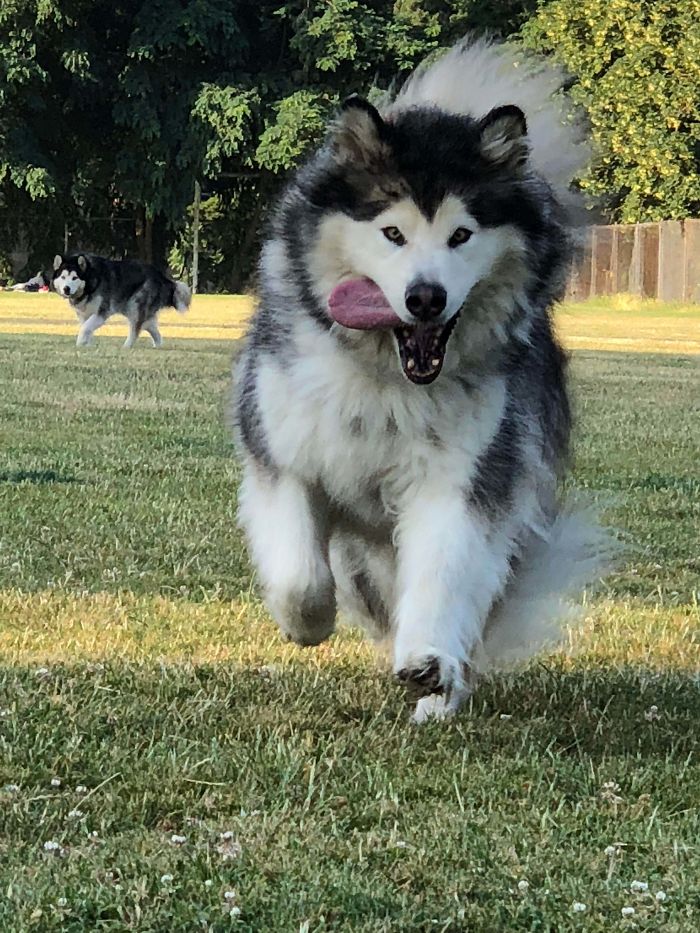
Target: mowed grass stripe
(618,324)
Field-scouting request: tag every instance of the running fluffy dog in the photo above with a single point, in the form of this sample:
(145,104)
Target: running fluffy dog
(401,400)
(97,288)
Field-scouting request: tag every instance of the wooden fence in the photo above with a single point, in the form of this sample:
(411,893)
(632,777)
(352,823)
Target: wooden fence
(654,260)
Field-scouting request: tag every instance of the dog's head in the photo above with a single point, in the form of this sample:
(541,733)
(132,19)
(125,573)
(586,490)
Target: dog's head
(70,275)
(422,207)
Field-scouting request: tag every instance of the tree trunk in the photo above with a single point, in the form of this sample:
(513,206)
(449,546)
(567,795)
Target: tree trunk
(160,241)
(243,263)
(152,239)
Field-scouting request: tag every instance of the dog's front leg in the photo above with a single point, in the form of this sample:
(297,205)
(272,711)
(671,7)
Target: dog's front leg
(289,545)
(88,328)
(448,577)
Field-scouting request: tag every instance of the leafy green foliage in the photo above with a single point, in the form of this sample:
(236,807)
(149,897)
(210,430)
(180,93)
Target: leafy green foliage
(638,77)
(111,110)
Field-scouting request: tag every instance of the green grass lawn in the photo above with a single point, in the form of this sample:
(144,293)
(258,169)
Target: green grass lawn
(168,764)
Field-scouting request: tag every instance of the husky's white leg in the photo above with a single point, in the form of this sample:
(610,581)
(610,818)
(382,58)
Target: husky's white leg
(87,329)
(289,548)
(133,334)
(151,327)
(449,573)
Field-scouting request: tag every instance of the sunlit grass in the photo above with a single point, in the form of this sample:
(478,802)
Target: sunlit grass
(622,322)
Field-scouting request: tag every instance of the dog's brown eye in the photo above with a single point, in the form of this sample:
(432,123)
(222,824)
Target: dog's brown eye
(460,236)
(394,235)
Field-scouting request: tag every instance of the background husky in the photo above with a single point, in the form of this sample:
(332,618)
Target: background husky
(401,399)
(97,288)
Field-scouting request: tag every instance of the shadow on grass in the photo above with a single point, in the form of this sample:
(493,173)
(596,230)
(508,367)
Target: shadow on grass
(36,477)
(545,711)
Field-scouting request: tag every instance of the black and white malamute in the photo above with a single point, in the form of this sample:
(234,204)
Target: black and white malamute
(401,399)
(97,288)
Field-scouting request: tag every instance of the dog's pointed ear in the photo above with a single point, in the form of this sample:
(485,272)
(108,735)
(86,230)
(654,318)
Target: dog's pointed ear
(57,260)
(504,136)
(82,263)
(359,133)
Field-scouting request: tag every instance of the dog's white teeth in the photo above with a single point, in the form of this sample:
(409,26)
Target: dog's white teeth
(436,362)
(410,364)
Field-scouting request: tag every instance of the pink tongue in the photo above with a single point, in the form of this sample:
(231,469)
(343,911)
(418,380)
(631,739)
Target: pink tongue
(360,304)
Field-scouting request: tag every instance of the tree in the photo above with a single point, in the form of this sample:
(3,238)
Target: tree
(112,108)
(637,74)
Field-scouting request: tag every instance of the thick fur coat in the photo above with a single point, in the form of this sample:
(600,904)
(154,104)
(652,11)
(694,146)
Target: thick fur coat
(409,477)
(97,288)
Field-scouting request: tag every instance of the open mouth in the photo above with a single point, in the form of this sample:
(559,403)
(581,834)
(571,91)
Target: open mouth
(422,349)
(361,305)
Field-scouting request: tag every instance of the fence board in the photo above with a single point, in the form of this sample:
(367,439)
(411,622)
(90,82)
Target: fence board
(653,260)
(691,290)
(671,261)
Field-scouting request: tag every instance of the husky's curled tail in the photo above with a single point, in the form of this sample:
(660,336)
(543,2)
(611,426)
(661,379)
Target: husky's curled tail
(474,77)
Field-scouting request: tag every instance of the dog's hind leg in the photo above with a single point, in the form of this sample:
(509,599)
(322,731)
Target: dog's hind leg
(87,329)
(364,577)
(134,330)
(450,571)
(151,327)
(289,545)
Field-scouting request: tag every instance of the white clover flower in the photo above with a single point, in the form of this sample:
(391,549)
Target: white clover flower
(660,896)
(81,789)
(611,792)
(610,851)
(4,713)
(41,672)
(504,717)
(578,907)
(55,782)
(523,886)
(51,846)
(76,815)
(177,840)
(11,788)
(234,912)
(627,911)
(229,895)
(639,887)
(61,902)
(228,846)
(166,879)
(208,883)
(652,714)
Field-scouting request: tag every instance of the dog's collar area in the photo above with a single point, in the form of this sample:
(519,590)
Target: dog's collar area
(422,349)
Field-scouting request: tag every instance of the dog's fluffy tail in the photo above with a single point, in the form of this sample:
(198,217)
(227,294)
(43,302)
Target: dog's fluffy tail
(182,297)
(475,76)
(536,608)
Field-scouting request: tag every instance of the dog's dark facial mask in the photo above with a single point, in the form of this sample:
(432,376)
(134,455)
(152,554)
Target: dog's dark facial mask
(408,223)
(69,276)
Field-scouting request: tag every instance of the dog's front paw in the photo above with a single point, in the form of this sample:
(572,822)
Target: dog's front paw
(439,685)
(422,679)
(306,620)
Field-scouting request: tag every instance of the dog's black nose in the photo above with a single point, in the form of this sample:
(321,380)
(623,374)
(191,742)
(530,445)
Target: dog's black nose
(66,290)
(425,301)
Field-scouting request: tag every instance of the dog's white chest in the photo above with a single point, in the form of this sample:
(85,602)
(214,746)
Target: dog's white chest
(328,423)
